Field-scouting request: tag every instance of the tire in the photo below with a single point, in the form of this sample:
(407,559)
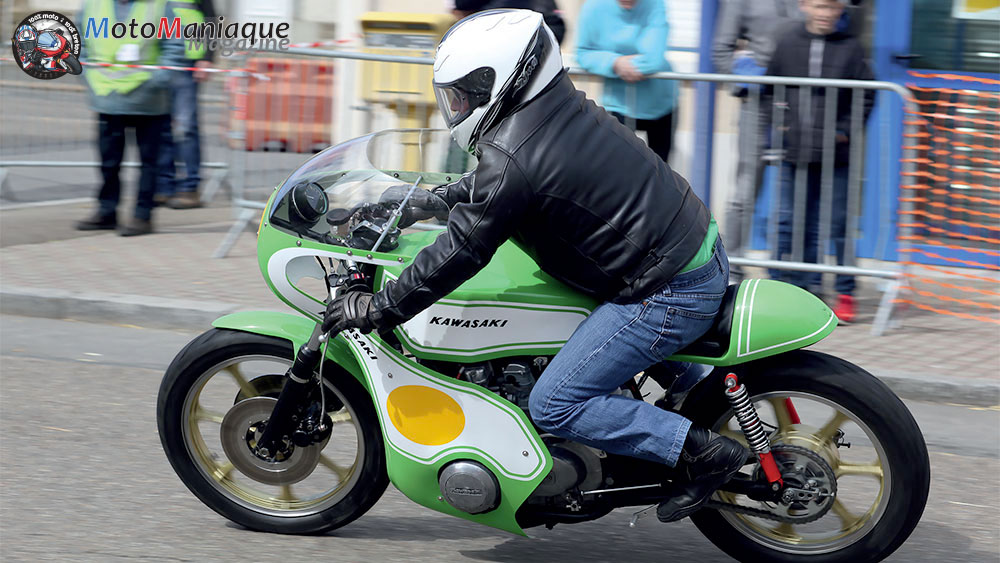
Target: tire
(182,408)
(73,64)
(844,387)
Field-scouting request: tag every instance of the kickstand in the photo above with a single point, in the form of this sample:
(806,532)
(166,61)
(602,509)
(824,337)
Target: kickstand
(641,514)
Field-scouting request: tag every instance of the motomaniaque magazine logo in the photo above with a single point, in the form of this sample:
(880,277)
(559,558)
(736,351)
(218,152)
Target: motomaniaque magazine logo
(46,45)
(218,35)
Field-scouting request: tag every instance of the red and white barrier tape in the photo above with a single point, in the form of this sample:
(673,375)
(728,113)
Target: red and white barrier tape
(165,67)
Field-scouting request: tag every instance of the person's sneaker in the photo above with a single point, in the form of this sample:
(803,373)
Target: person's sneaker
(160,199)
(708,461)
(97,222)
(137,227)
(184,200)
(845,308)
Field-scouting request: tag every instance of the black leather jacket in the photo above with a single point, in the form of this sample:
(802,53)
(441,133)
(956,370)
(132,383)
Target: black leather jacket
(586,198)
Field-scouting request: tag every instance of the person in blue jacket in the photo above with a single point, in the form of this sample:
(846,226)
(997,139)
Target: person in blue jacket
(625,41)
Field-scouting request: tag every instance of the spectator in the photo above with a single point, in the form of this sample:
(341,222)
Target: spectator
(625,41)
(183,193)
(817,50)
(743,43)
(128,97)
(548,9)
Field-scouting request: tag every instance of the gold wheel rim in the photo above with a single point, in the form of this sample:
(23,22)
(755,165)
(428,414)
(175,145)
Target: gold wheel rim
(283,500)
(853,525)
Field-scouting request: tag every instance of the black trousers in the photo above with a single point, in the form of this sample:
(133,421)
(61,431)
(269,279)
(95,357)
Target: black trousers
(659,132)
(111,142)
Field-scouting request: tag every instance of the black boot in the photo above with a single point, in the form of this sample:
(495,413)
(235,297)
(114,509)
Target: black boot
(136,227)
(708,460)
(97,222)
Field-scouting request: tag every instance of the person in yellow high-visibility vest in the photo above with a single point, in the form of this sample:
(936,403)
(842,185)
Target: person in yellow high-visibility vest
(183,142)
(127,97)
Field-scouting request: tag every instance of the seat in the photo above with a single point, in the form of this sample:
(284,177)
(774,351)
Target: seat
(715,342)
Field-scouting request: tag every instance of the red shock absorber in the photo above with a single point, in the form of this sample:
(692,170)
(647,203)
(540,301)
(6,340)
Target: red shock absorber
(749,421)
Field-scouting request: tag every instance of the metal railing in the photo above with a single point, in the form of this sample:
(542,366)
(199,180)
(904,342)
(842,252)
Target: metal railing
(49,125)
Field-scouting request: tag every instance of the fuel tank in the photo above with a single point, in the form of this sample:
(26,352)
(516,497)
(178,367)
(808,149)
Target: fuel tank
(509,308)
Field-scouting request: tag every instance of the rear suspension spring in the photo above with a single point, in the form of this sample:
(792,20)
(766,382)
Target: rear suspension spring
(747,416)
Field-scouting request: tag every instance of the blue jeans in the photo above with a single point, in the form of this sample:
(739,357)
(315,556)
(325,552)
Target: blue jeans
(575,397)
(187,146)
(838,224)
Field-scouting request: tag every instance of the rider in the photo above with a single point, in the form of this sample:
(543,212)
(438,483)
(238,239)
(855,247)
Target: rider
(27,40)
(597,210)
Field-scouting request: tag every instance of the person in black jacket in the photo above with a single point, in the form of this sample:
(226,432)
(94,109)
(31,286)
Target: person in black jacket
(597,210)
(815,49)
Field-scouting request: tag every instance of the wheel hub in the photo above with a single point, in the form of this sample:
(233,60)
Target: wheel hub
(810,484)
(242,428)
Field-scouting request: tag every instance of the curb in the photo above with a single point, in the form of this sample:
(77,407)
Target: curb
(957,390)
(151,312)
(185,314)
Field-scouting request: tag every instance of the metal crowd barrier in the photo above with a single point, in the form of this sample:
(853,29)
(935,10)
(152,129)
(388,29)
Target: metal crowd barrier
(257,172)
(49,125)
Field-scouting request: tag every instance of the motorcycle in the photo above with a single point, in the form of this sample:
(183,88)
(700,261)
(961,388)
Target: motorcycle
(281,428)
(48,50)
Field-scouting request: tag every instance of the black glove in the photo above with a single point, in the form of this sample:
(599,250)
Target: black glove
(422,204)
(349,310)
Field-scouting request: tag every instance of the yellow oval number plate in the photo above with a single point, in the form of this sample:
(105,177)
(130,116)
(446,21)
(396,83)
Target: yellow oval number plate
(425,415)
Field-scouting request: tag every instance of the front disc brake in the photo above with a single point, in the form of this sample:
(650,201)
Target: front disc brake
(243,426)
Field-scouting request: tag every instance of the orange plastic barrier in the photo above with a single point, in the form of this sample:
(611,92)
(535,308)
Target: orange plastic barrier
(292,110)
(947,216)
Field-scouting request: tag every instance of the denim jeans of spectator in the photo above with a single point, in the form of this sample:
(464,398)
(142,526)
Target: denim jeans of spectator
(186,144)
(786,224)
(111,144)
(576,397)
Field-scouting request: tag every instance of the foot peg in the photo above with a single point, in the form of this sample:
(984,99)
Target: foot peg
(641,514)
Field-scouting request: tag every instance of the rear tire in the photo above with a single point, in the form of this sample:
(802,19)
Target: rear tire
(859,393)
(73,63)
(220,485)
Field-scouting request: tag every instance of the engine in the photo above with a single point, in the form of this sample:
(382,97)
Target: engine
(511,380)
(575,467)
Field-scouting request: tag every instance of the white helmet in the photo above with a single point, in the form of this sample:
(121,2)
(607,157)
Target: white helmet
(488,64)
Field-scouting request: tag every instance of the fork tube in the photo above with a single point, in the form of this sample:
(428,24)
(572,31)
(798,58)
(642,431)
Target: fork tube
(298,382)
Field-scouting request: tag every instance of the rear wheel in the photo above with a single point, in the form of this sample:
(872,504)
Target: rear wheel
(73,64)
(834,425)
(213,400)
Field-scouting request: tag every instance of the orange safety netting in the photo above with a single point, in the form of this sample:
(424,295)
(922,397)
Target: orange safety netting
(947,217)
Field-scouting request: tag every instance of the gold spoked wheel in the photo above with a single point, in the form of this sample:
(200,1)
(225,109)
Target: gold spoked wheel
(246,380)
(832,423)
(847,445)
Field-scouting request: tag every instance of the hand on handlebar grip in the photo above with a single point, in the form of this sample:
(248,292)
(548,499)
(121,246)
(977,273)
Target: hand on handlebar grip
(422,205)
(349,309)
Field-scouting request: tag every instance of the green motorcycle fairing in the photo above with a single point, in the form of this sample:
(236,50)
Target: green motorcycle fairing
(296,330)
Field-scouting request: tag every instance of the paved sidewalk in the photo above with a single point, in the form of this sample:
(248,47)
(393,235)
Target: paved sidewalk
(170,280)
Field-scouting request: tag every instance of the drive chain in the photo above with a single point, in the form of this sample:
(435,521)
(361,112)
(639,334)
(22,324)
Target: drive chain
(767,515)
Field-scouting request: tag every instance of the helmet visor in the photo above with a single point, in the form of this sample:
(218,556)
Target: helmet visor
(48,40)
(458,99)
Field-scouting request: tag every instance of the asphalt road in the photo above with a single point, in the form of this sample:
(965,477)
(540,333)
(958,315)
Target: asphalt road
(83,477)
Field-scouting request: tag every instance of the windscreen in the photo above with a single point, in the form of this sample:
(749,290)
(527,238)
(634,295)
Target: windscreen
(347,194)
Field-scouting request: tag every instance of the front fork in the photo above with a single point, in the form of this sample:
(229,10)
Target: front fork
(299,380)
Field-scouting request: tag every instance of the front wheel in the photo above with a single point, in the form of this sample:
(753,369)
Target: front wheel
(836,426)
(213,400)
